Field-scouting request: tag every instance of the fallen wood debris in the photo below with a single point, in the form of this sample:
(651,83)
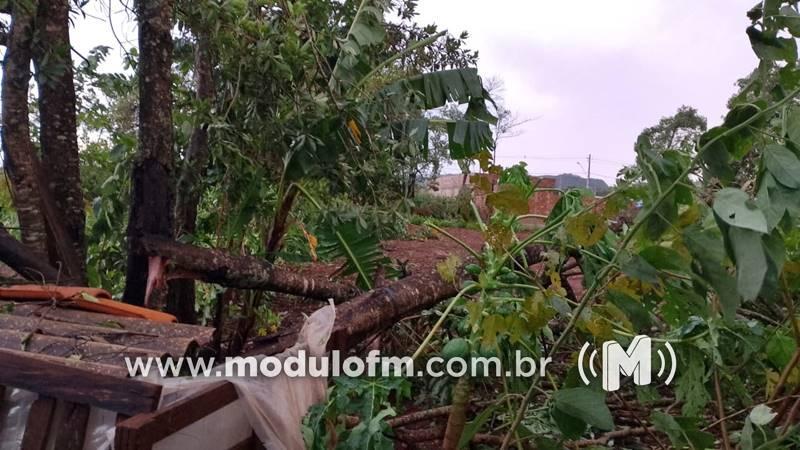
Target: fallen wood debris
(242,272)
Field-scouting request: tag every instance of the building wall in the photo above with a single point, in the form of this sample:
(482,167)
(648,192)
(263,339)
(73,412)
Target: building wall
(540,203)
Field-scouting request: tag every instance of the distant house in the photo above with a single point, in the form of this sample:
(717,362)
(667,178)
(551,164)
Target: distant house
(540,203)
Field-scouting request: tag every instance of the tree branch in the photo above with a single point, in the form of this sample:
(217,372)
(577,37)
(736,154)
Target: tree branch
(243,272)
(20,258)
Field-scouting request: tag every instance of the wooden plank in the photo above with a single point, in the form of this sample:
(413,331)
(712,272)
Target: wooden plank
(144,430)
(38,425)
(69,382)
(82,349)
(71,431)
(200,334)
(99,369)
(170,345)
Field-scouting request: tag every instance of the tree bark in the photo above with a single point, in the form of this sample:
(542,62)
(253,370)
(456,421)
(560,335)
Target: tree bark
(458,414)
(26,263)
(279,223)
(243,272)
(20,155)
(181,301)
(58,127)
(41,220)
(382,307)
(153,193)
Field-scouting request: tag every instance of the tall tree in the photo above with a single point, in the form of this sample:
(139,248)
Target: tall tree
(58,128)
(677,132)
(18,150)
(182,295)
(42,221)
(152,190)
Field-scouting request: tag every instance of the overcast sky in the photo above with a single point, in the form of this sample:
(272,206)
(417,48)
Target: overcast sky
(589,74)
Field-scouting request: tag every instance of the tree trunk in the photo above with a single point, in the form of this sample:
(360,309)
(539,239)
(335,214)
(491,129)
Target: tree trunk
(243,272)
(382,307)
(279,223)
(373,311)
(58,128)
(181,300)
(18,150)
(25,262)
(458,414)
(152,192)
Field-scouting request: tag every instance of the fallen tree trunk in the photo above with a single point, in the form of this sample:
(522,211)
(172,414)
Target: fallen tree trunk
(382,307)
(242,272)
(370,312)
(25,262)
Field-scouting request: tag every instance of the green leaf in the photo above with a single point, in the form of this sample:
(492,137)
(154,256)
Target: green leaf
(790,19)
(664,258)
(638,268)
(682,431)
(662,218)
(751,262)
(735,208)
(772,48)
(793,124)
(510,198)
(783,165)
(360,248)
(762,415)
(586,405)
(571,427)
(366,30)
(746,441)
(780,349)
(436,89)
(472,427)
(468,138)
(586,229)
(690,385)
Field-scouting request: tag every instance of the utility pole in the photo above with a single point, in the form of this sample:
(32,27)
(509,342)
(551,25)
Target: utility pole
(589,171)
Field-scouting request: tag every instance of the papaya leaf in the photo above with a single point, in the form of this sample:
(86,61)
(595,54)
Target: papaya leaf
(586,229)
(510,199)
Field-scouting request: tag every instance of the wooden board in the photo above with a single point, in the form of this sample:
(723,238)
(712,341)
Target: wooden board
(71,382)
(200,334)
(71,430)
(140,432)
(170,345)
(74,348)
(38,425)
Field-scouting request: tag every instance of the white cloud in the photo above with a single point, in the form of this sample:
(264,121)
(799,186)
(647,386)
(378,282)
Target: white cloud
(592,24)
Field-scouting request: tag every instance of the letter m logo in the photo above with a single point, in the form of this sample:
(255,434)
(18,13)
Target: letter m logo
(633,361)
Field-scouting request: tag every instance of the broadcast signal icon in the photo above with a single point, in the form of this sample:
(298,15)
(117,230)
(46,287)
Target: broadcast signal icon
(636,361)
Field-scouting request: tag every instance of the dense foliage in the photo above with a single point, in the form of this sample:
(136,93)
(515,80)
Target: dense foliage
(319,120)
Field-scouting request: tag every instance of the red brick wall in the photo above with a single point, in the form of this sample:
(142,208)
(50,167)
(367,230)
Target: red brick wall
(542,202)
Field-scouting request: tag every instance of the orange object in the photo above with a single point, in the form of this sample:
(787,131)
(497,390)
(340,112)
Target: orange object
(86,298)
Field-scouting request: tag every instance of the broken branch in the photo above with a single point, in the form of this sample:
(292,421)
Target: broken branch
(243,272)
